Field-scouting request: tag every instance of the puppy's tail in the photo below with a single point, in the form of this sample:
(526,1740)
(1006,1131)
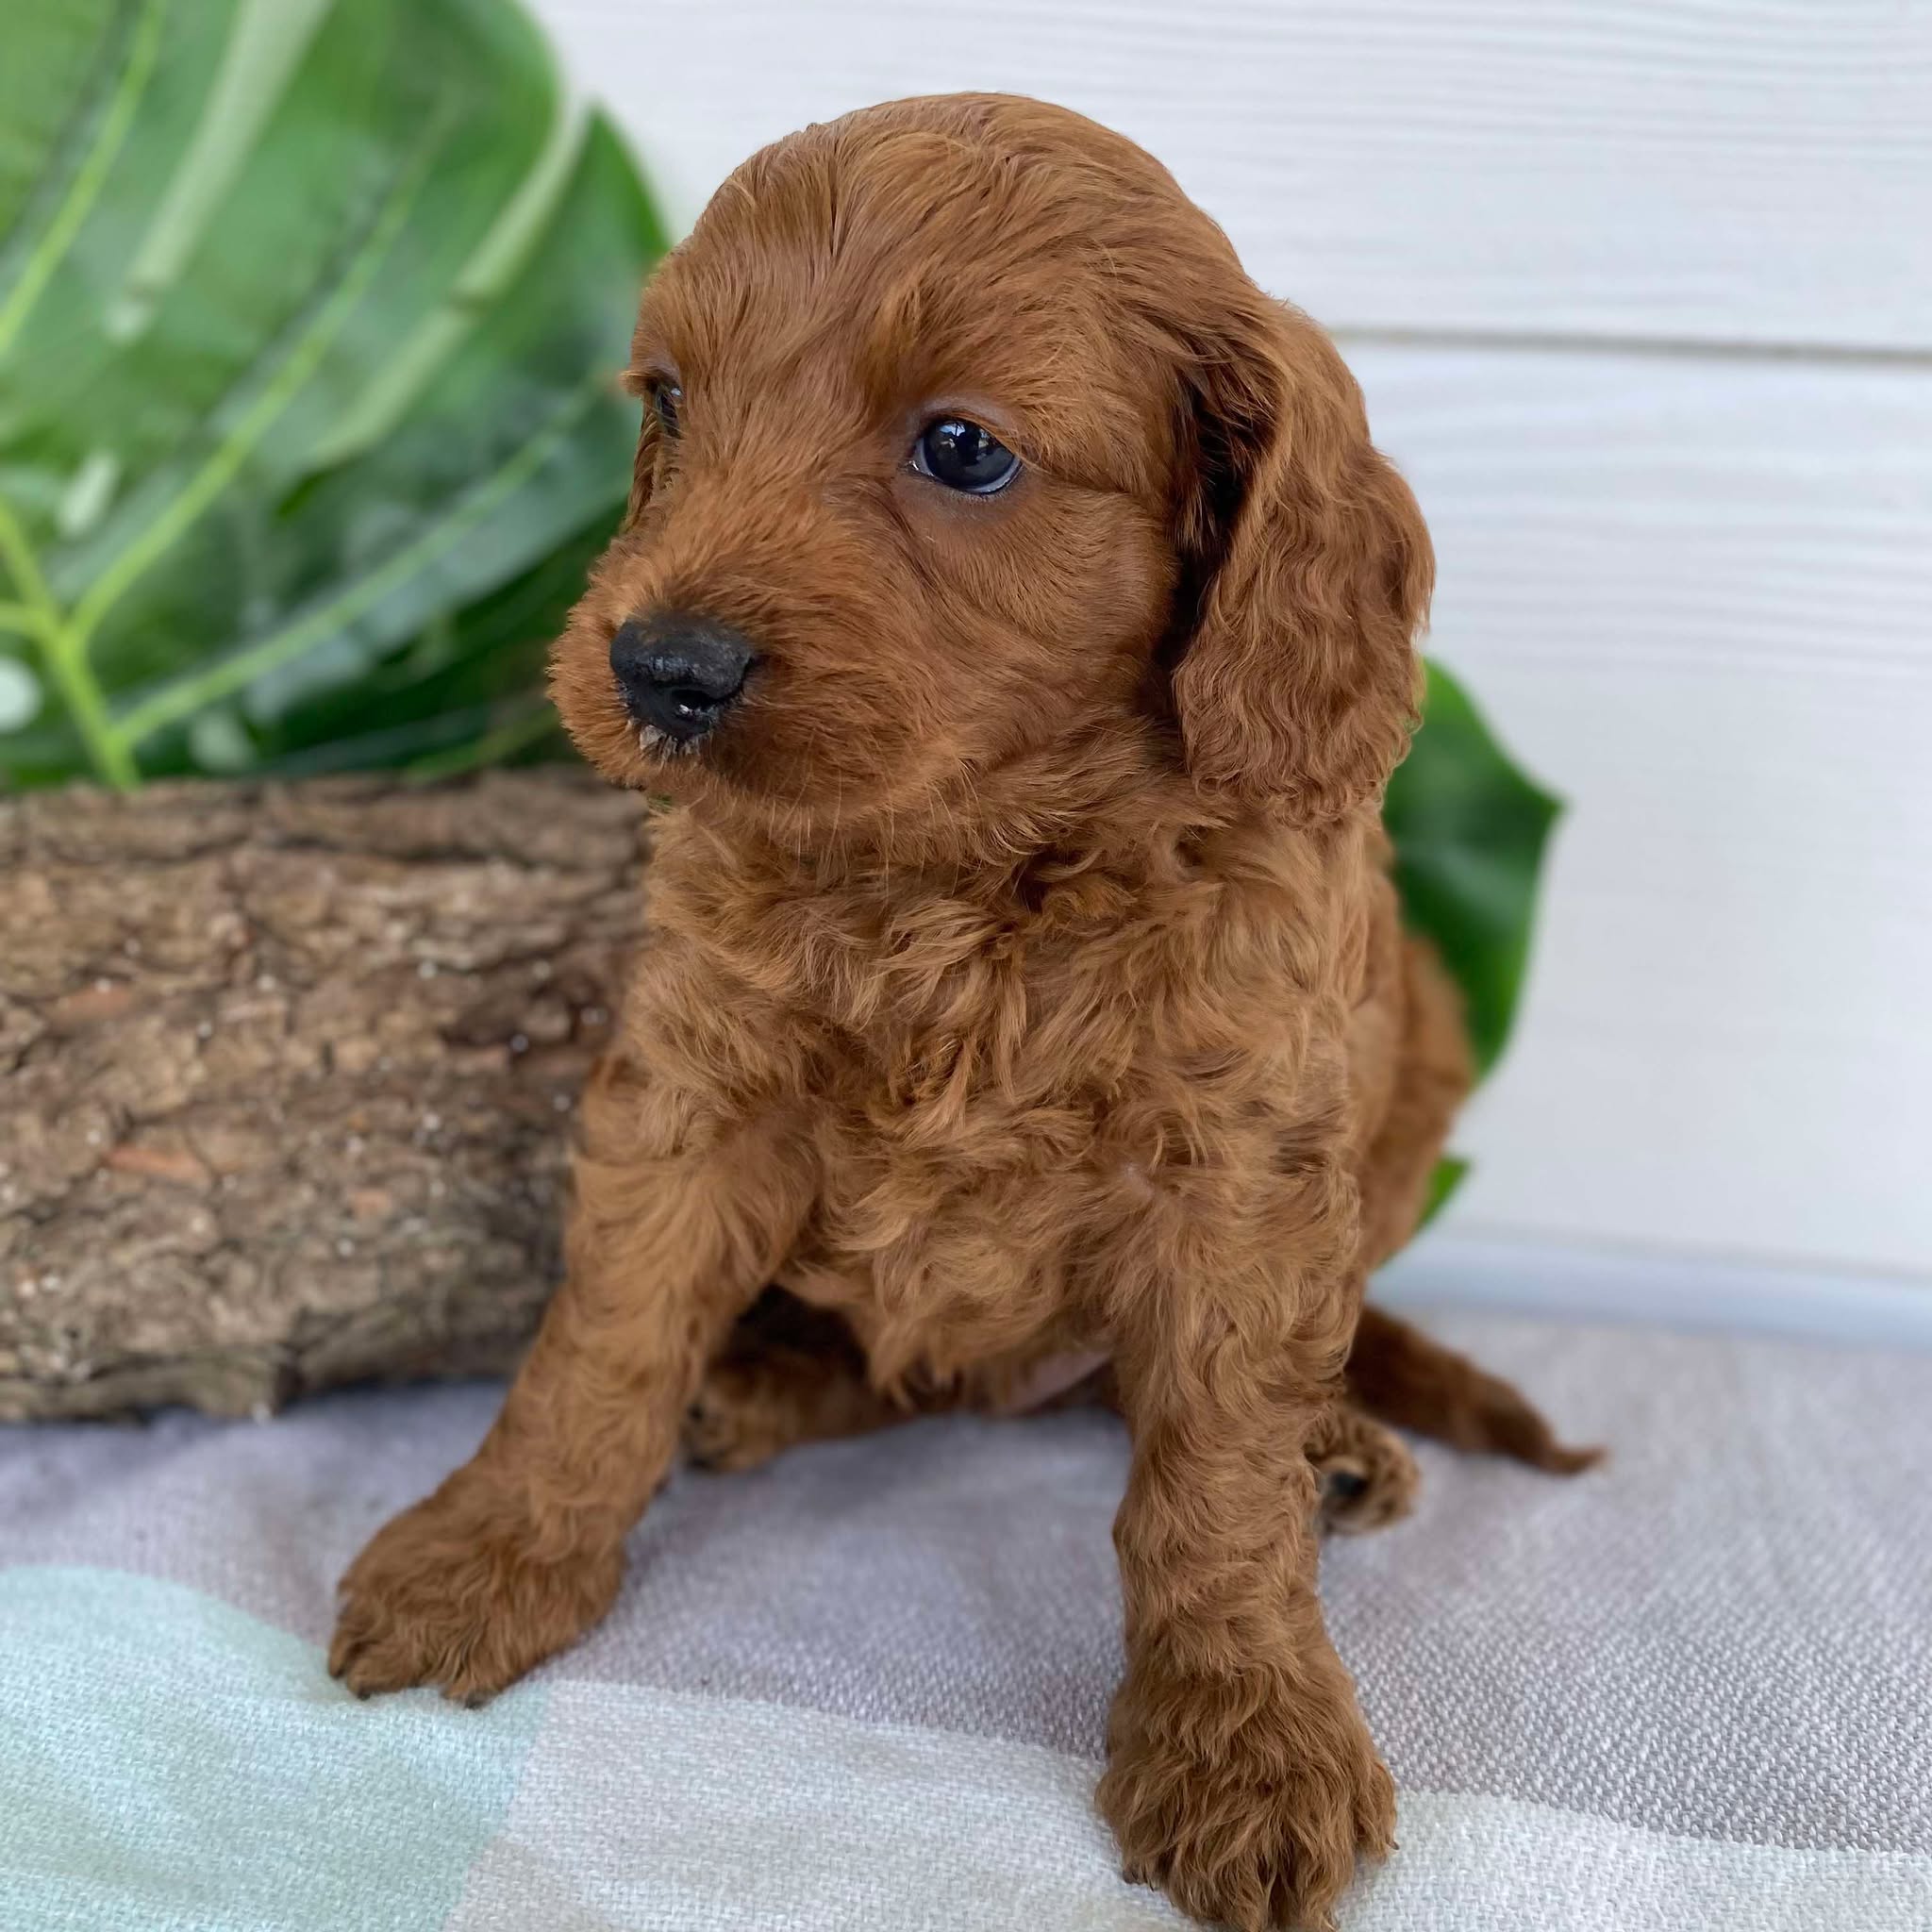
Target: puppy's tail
(1398,1373)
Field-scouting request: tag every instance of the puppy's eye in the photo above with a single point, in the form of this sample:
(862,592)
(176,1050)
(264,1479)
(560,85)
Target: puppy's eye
(667,399)
(962,456)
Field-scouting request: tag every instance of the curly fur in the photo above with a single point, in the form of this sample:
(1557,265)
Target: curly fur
(1024,976)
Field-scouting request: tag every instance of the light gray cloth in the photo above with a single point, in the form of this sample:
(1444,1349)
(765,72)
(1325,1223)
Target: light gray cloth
(867,1684)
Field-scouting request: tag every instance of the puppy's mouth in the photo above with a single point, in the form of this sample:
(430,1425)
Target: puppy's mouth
(655,742)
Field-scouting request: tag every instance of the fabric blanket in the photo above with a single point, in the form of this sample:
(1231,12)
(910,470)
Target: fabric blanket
(866,1688)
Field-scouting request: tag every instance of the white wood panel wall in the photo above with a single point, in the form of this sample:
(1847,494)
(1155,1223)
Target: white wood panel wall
(1641,295)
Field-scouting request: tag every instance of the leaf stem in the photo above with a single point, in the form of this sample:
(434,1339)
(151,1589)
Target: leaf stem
(112,758)
(65,655)
(173,701)
(305,356)
(86,187)
(17,554)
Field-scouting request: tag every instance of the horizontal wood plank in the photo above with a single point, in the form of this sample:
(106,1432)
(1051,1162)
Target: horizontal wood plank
(1697,600)
(1751,172)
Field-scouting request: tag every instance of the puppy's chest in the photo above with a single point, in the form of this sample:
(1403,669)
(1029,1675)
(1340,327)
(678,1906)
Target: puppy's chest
(1005,1059)
(952,1209)
(968,1094)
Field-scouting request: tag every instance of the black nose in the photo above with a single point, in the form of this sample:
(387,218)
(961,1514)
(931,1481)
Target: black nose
(679,674)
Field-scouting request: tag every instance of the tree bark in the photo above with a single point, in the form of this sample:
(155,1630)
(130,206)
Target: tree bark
(288,1072)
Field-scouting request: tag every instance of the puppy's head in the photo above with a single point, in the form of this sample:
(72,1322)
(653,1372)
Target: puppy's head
(967,443)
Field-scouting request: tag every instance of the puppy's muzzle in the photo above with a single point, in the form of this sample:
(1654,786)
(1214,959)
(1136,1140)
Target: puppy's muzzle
(679,674)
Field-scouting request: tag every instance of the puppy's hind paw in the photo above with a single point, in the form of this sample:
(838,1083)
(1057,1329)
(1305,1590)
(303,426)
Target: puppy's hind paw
(735,1423)
(1365,1476)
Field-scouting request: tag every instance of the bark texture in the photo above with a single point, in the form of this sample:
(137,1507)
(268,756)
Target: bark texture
(287,1075)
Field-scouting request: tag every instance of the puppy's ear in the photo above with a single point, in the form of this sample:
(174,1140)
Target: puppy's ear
(1307,569)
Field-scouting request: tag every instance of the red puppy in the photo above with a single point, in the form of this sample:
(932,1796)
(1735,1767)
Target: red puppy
(1021,621)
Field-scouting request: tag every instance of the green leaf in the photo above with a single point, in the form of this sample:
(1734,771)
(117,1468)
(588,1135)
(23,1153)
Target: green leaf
(310,313)
(1470,829)
(1445,1178)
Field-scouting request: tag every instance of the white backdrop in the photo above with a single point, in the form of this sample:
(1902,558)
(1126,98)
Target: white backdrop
(1641,296)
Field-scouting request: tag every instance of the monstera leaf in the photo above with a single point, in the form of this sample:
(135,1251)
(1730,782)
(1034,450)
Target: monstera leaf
(308,310)
(1469,828)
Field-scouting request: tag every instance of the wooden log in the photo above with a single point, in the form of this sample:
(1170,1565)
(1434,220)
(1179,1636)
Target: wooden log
(288,1075)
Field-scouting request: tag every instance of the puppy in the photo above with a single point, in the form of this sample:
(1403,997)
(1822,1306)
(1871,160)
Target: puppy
(1020,622)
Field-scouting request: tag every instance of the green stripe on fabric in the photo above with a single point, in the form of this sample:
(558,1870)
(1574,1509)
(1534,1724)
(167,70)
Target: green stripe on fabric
(171,1764)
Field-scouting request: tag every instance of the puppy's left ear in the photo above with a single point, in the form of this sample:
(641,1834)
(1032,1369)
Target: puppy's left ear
(1308,570)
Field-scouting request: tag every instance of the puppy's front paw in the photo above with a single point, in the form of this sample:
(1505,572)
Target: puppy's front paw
(458,1593)
(1247,1801)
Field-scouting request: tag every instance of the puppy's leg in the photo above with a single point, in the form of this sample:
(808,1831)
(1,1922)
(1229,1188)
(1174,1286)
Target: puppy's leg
(1394,1370)
(789,1373)
(677,1223)
(1398,1372)
(1241,1776)
(1432,1079)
